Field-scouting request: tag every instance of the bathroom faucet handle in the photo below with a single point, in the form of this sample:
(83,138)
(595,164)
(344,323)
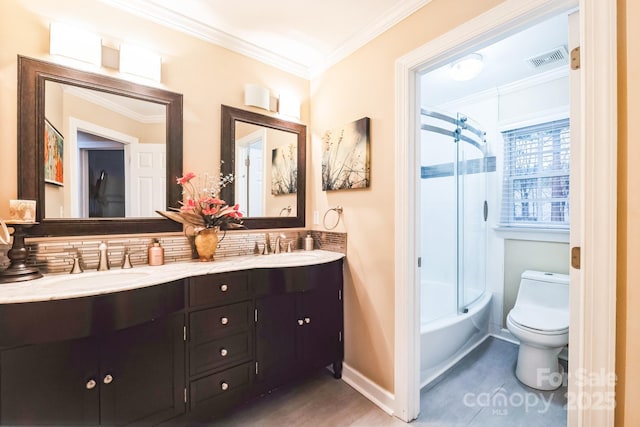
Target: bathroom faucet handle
(126,262)
(77,268)
(267,244)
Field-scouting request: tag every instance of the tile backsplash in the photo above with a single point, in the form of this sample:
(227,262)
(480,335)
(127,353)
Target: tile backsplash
(55,254)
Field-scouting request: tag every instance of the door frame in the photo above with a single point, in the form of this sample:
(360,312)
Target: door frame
(593,296)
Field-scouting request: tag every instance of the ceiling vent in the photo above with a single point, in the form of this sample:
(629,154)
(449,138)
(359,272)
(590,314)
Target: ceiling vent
(557,56)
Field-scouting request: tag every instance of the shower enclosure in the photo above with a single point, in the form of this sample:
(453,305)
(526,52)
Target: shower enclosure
(453,223)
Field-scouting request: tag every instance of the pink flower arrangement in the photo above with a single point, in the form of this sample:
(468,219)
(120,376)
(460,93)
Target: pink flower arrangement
(201,207)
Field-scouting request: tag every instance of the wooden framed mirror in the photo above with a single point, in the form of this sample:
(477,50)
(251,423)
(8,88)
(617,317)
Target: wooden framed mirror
(273,194)
(67,217)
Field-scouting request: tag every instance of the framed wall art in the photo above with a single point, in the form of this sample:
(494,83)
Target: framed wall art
(53,155)
(345,158)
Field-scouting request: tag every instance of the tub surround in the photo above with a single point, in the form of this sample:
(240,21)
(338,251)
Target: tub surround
(91,283)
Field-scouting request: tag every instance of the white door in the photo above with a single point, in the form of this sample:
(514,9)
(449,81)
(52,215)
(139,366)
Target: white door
(249,177)
(146,176)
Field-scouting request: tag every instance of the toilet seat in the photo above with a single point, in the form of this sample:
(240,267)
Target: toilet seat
(540,320)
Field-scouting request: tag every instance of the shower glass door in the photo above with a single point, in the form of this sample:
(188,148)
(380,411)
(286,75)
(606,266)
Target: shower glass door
(471,181)
(438,224)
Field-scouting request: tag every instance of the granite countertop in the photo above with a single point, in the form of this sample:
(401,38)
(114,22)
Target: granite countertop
(90,283)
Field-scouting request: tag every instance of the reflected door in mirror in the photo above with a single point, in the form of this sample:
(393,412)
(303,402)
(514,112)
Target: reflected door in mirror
(114,156)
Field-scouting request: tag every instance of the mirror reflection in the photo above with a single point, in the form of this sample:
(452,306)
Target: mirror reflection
(267,157)
(105,154)
(265,170)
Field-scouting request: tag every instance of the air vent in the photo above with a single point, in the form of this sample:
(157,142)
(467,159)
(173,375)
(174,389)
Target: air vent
(557,56)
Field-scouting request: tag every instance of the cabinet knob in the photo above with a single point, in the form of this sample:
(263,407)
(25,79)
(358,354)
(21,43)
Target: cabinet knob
(300,322)
(224,386)
(224,320)
(91,384)
(107,379)
(224,288)
(307,320)
(223,352)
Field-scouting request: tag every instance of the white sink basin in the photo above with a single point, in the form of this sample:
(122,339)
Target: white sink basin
(282,259)
(102,278)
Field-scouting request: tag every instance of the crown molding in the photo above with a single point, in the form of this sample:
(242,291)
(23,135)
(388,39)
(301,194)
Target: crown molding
(363,36)
(168,18)
(149,10)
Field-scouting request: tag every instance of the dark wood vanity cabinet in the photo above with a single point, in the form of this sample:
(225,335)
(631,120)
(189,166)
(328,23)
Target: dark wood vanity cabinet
(299,323)
(252,331)
(221,340)
(102,375)
(173,352)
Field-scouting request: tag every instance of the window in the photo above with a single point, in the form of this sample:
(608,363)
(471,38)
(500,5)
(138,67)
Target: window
(536,176)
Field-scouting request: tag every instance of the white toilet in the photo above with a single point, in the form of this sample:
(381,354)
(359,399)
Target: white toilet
(540,320)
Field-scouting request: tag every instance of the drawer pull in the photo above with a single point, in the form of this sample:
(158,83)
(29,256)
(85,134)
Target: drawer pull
(224,288)
(300,322)
(307,320)
(223,352)
(107,379)
(224,320)
(91,384)
(224,386)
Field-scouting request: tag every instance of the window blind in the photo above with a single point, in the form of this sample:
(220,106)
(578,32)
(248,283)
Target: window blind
(536,176)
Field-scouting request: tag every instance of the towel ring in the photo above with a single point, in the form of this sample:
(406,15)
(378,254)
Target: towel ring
(338,210)
(287,209)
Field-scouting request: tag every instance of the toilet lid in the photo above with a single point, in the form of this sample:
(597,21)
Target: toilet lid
(541,319)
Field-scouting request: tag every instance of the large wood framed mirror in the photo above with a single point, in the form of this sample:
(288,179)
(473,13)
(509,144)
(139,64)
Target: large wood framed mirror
(267,157)
(86,171)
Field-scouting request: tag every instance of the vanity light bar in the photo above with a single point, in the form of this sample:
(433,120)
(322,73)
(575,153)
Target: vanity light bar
(140,62)
(257,96)
(75,43)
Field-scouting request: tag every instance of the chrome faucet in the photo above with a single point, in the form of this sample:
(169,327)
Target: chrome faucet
(267,245)
(277,249)
(103,261)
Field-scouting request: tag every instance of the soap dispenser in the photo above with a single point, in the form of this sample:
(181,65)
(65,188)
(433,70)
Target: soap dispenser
(308,242)
(156,253)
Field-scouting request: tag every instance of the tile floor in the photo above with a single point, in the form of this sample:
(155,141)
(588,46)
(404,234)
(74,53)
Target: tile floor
(480,391)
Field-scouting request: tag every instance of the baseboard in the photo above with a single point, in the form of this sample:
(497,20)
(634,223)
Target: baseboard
(372,391)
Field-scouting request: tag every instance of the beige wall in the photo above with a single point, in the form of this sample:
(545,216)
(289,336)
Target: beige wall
(206,75)
(628,315)
(363,85)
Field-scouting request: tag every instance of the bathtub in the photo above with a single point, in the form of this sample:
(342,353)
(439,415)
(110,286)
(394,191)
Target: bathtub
(447,339)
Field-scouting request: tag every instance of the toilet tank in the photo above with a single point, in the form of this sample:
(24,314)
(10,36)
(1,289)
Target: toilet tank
(543,289)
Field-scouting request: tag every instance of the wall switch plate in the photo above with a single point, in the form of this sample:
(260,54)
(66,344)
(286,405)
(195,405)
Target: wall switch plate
(316,218)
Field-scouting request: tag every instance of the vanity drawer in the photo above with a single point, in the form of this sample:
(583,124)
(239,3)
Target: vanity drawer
(218,388)
(221,352)
(219,289)
(205,325)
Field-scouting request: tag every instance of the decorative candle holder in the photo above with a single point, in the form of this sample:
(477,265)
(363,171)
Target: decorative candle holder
(18,270)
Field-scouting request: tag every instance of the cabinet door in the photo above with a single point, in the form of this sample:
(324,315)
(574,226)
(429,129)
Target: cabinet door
(321,310)
(275,339)
(142,373)
(53,383)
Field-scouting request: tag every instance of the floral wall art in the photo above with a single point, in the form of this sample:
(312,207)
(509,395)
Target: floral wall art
(53,154)
(284,169)
(345,159)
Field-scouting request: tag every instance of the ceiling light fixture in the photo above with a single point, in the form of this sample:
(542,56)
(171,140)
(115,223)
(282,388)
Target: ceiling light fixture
(466,67)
